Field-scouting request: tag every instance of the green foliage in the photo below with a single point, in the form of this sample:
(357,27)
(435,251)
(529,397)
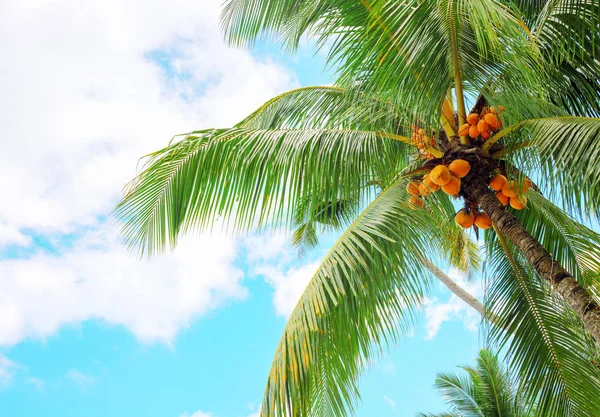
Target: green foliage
(568,159)
(312,159)
(486,390)
(545,343)
(363,295)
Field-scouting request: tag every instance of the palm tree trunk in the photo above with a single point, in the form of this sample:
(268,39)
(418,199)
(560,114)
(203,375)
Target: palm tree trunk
(559,278)
(456,289)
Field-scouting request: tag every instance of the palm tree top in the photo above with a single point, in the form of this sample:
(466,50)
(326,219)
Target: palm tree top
(353,158)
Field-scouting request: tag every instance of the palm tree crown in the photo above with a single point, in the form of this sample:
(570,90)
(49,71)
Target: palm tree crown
(486,390)
(363,157)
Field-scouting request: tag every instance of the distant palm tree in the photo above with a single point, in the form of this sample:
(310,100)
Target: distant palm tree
(351,156)
(486,390)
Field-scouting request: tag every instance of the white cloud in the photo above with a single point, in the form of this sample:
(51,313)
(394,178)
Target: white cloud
(8,369)
(389,402)
(82,100)
(96,85)
(99,279)
(83,381)
(37,383)
(437,312)
(288,284)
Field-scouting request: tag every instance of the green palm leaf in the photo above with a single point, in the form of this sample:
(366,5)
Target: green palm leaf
(371,280)
(250,178)
(546,345)
(569,159)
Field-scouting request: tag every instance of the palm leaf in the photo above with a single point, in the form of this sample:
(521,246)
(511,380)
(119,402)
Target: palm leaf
(250,178)
(569,155)
(547,347)
(363,295)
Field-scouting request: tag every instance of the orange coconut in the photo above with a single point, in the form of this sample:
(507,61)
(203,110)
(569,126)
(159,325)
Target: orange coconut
(482,126)
(412,188)
(440,175)
(427,181)
(459,167)
(503,198)
(464,130)
(483,221)
(472,118)
(485,134)
(473,132)
(453,186)
(527,184)
(518,203)
(421,132)
(464,219)
(415,202)
(492,120)
(509,189)
(498,182)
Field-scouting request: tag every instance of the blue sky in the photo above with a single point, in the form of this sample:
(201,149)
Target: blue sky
(86,329)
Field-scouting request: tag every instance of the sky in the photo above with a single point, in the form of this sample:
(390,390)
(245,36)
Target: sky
(87,329)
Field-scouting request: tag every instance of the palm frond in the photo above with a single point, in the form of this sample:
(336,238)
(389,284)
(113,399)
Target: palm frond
(250,178)
(361,298)
(323,107)
(493,386)
(460,393)
(547,347)
(568,32)
(569,155)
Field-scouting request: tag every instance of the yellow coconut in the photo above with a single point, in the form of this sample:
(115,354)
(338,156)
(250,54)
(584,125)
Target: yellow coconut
(459,167)
(483,221)
(453,186)
(464,219)
(440,175)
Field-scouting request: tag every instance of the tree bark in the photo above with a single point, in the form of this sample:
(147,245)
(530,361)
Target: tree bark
(559,278)
(456,289)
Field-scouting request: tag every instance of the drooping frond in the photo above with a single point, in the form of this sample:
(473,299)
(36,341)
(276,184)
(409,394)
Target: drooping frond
(547,347)
(400,50)
(456,247)
(250,178)
(568,33)
(569,159)
(329,108)
(460,393)
(361,298)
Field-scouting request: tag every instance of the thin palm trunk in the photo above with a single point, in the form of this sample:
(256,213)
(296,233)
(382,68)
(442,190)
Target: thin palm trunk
(456,289)
(559,278)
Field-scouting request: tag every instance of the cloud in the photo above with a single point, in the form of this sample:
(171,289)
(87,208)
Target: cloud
(82,380)
(37,383)
(289,284)
(8,369)
(389,402)
(437,312)
(79,106)
(99,279)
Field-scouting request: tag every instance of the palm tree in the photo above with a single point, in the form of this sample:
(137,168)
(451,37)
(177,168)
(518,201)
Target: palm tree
(486,390)
(346,157)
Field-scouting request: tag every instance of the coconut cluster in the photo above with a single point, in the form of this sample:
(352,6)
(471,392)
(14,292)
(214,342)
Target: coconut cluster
(423,141)
(446,177)
(482,124)
(508,192)
(467,218)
